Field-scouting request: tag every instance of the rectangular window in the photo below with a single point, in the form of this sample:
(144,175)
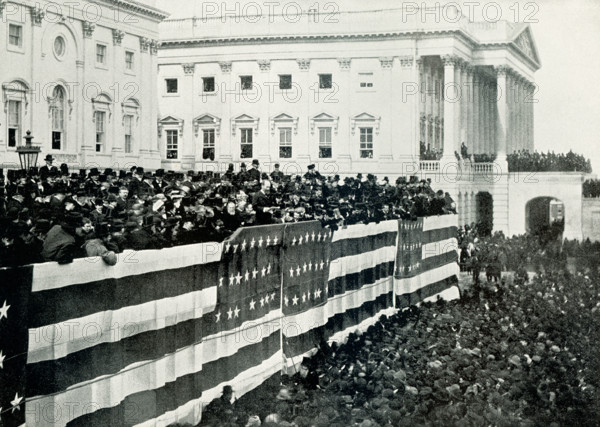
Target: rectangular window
(366,143)
(129,60)
(325,143)
(285,143)
(246,143)
(172,85)
(208,149)
(172,144)
(246,82)
(325,81)
(15,35)
(366,80)
(58,121)
(100,54)
(128,125)
(208,84)
(14,122)
(285,81)
(100,130)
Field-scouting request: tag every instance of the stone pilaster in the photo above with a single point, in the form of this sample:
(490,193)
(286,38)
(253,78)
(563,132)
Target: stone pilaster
(503,113)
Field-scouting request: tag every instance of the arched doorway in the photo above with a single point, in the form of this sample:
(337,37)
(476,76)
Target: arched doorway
(485,212)
(545,216)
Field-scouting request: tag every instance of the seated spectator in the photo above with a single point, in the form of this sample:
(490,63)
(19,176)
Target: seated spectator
(98,246)
(61,243)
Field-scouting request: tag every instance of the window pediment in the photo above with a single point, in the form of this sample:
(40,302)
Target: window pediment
(15,90)
(365,119)
(207,121)
(244,120)
(326,119)
(284,120)
(170,121)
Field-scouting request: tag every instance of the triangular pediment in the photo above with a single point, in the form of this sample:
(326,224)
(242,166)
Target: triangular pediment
(170,119)
(244,118)
(206,119)
(324,116)
(525,43)
(364,116)
(283,117)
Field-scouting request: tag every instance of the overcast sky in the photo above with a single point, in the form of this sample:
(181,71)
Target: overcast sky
(567,35)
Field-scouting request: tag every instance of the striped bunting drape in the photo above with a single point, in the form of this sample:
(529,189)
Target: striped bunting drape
(153,339)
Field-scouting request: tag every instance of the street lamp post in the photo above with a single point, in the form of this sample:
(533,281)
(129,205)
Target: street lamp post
(28,154)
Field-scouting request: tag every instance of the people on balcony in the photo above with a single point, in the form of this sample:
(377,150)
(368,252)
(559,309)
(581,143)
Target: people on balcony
(525,161)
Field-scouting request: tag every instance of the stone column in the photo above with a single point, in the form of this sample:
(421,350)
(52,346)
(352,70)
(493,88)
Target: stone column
(428,106)
(457,110)
(421,100)
(503,115)
(470,103)
(510,127)
(480,106)
(464,105)
(449,107)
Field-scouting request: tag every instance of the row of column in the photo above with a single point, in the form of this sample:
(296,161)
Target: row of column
(520,99)
(431,104)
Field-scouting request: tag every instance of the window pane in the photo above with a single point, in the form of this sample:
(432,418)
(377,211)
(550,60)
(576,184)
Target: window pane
(100,53)
(129,60)
(325,81)
(208,84)
(56,140)
(172,144)
(325,152)
(12,137)
(285,152)
(15,35)
(246,82)
(172,85)
(246,151)
(209,138)
(285,81)
(128,143)
(208,153)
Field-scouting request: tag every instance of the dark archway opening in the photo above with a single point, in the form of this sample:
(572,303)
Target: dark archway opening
(485,213)
(545,217)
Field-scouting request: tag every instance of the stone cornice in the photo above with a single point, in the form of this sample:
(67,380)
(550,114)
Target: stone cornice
(298,38)
(138,8)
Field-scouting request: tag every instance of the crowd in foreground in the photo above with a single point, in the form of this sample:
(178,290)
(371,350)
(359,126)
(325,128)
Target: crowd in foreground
(522,351)
(53,215)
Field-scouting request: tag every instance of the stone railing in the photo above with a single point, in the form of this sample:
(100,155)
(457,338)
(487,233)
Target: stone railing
(486,168)
(429,165)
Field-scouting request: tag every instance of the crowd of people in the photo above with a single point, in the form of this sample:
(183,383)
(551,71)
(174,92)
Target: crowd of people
(522,351)
(429,153)
(50,214)
(591,188)
(526,161)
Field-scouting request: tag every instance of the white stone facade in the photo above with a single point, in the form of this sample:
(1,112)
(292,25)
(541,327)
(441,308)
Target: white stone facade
(396,83)
(81,77)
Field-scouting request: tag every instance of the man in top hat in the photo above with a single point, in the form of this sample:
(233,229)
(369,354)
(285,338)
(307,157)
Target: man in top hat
(254,173)
(276,175)
(48,167)
(159,183)
(136,182)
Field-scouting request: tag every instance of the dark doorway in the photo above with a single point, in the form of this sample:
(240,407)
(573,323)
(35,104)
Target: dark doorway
(545,217)
(485,213)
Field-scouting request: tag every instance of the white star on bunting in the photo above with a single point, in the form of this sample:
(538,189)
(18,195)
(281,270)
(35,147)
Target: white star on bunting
(313,236)
(295,300)
(235,248)
(227,246)
(263,271)
(229,313)
(231,279)
(252,304)
(243,245)
(304,267)
(260,242)
(238,279)
(16,402)
(294,241)
(300,240)
(218,316)
(298,271)
(236,312)
(286,301)
(221,282)
(291,272)
(252,242)
(306,237)
(310,266)
(262,302)
(318,293)
(4,310)
(269,268)
(254,273)
(275,239)
(246,276)
(273,296)
(268,240)
(303,297)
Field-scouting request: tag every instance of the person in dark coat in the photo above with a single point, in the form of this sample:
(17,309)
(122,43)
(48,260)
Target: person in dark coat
(61,244)
(276,175)
(254,174)
(48,168)
(261,202)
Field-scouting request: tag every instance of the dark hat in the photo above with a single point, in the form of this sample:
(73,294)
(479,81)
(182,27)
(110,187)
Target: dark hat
(49,158)
(122,174)
(311,166)
(94,172)
(109,171)
(148,175)
(139,170)
(276,165)
(98,201)
(64,168)
(159,172)
(42,226)
(255,162)
(243,165)
(74,219)
(81,193)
